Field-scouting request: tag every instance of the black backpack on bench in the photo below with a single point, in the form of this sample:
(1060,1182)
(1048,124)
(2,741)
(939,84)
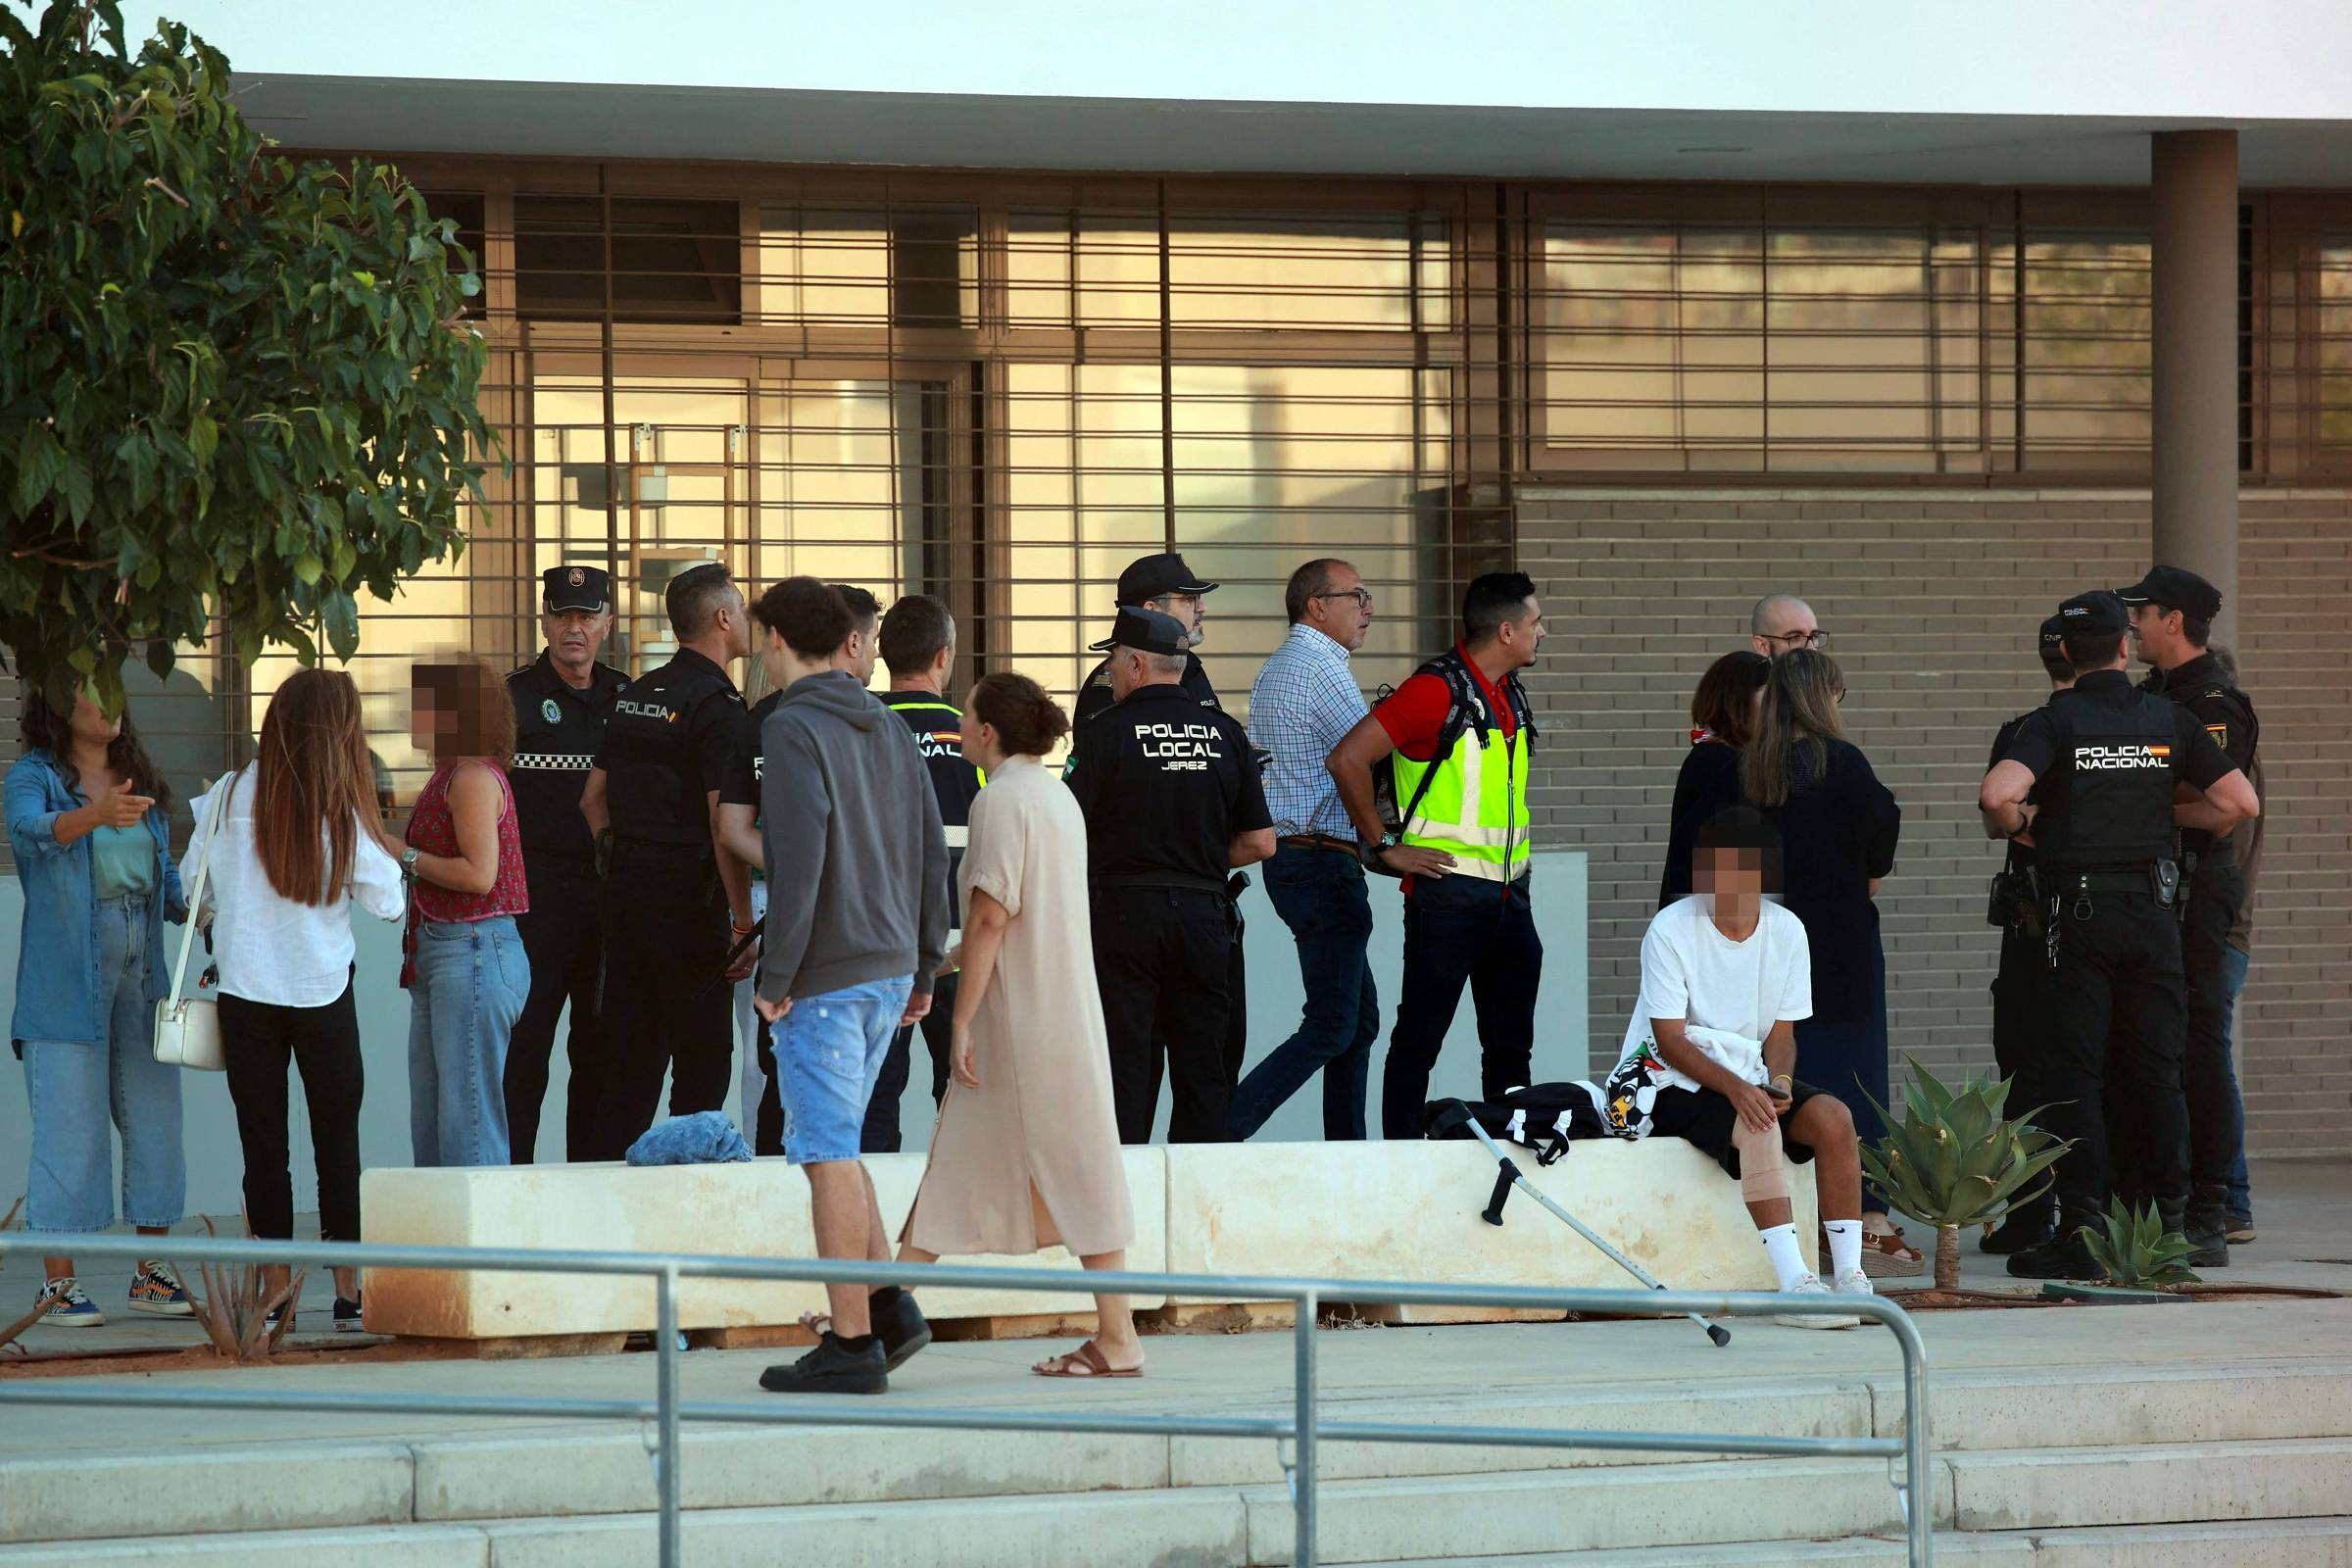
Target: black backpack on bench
(1544,1117)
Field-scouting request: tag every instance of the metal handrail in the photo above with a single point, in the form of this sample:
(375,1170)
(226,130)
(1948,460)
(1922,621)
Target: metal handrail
(1302,1429)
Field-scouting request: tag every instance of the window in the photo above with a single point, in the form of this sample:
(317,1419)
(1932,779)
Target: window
(672,260)
(912,267)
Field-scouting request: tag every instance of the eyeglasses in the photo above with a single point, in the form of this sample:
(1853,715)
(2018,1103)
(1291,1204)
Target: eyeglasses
(1361,596)
(1816,638)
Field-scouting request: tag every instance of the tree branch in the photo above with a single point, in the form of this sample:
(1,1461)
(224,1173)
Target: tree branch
(157,184)
(44,553)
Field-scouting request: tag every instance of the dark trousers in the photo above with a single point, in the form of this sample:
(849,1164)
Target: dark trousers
(259,1040)
(1320,895)
(1163,961)
(563,941)
(1847,1058)
(667,1006)
(2116,1011)
(2020,1048)
(880,1135)
(1461,929)
(2216,891)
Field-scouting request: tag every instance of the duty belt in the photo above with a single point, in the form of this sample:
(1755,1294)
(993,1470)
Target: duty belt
(2056,884)
(1172,881)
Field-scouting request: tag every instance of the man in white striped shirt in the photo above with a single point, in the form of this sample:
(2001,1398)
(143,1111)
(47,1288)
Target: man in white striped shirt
(1303,702)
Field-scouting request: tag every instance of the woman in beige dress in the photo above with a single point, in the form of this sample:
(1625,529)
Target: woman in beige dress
(1026,1154)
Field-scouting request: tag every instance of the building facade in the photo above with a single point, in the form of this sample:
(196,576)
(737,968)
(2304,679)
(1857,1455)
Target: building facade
(1928,387)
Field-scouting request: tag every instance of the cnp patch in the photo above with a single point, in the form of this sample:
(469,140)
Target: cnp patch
(550,712)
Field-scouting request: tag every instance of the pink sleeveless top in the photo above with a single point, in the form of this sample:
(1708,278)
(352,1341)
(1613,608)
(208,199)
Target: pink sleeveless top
(432,829)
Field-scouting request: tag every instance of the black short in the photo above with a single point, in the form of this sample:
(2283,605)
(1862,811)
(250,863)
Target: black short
(1705,1119)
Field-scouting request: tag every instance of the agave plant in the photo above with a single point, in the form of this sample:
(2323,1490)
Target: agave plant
(234,1306)
(1954,1162)
(8,1335)
(2135,1251)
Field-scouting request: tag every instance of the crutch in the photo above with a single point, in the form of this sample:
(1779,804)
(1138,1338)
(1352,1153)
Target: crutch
(1507,1176)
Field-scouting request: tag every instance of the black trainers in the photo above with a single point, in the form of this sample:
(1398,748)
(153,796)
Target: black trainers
(347,1316)
(899,1324)
(2061,1258)
(2024,1230)
(835,1366)
(2208,1233)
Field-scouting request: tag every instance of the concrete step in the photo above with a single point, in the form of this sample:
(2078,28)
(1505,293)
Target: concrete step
(2262,1543)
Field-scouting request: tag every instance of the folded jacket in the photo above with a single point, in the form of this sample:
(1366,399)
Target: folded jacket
(705,1138)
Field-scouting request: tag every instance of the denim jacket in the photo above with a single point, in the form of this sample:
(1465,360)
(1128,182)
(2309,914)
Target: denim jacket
(57,962)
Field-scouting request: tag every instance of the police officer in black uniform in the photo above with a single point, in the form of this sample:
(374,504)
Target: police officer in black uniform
(2172,620)
(561,699)
(2017,984)
(669,885)
(1173,805)
(2102,762)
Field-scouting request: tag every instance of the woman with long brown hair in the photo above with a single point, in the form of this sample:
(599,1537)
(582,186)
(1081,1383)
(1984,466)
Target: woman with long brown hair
(87,816)
(1723,715)
(297,846)
(1839,826)
(467,975)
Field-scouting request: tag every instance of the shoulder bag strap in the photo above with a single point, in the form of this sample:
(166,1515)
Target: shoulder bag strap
(194,893)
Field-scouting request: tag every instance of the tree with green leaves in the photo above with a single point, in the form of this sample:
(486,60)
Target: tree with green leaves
(234,389)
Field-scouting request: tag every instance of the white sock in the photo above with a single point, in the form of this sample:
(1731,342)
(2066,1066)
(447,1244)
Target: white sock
(1780,1245)
(1845,1244)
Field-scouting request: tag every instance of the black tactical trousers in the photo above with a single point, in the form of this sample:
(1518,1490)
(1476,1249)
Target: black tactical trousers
(563,941)
(2019,1024)
(2216,891)
(1163,959)
(2116,1011)
(667,1005)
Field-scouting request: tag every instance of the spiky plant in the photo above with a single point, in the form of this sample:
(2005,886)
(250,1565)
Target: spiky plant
(1953,1160)
(8,1335)
(234,1308)
(2135,1251)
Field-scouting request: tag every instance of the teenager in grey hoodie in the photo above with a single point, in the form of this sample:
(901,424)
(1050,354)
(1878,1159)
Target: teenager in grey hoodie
(857,927)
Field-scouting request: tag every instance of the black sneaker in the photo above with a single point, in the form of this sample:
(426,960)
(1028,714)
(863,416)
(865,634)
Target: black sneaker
(899,1324)
(2208,1233)
(2024,1230)
(2062,1258)
(835,1366)
(347,1316)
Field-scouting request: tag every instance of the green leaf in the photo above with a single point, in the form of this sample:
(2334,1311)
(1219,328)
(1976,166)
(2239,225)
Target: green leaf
(307,568)
(39,463)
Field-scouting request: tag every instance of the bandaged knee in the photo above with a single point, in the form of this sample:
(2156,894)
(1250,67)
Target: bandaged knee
(1763,1167)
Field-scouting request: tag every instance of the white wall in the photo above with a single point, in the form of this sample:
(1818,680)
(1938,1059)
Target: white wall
(216,1166)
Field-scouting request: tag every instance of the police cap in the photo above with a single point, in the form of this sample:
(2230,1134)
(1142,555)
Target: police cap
(2171,588)
(1149,577)
(587,588)
(2093,613)
(1146,631)
(2053,631)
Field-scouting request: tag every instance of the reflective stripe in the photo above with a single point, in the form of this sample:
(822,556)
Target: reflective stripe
(1484,871)
(553,761)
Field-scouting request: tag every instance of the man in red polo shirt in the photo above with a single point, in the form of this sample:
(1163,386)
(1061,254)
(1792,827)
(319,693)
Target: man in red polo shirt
(1457,737)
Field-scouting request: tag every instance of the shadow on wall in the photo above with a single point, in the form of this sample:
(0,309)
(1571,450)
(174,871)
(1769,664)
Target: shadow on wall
(215,1166)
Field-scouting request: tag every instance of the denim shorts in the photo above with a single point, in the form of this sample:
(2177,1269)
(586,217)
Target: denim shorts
(829,1051)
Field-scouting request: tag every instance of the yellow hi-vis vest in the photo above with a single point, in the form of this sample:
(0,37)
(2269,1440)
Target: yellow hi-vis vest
(1475,805)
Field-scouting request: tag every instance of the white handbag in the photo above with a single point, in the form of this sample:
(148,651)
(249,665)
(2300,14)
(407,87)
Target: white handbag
(187,1029)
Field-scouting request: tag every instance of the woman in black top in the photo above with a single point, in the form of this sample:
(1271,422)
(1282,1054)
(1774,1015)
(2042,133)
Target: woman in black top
(1839,826)
(1723,715)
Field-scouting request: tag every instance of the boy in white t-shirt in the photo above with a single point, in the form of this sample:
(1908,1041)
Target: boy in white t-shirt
(1710,1055)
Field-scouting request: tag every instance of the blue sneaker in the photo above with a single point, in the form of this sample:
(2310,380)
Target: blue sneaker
(156,1289)
(74,1309)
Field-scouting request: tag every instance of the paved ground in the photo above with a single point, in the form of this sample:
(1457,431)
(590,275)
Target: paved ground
(2305,1210)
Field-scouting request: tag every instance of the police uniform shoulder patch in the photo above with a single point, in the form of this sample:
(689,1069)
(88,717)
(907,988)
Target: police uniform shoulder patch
(549,710)
(2220,734)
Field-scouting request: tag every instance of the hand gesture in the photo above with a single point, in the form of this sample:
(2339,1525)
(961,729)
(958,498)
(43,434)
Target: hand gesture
(1406,861)
(1757,1109)
(118,807)
(960,1054)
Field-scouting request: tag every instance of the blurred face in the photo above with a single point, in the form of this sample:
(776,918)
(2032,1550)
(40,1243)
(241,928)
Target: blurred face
(1792,626)
(89,724)
(430,717)
(1191,609)
(573,636)
(1733,879)
(1343,611)
(1523,634)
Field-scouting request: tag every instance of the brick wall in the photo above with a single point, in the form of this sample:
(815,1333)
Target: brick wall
(1931,597)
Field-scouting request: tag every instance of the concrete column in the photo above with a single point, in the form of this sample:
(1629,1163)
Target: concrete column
(2194,174)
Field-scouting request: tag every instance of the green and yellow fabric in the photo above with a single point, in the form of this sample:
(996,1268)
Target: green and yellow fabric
(1475,805)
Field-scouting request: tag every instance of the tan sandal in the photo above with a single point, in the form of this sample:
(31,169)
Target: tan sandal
(1886,1255)
(1086,1362)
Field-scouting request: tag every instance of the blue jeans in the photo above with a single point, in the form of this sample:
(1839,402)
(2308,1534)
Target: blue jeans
(470,983)
(829,1051)
(1461,931)
(77,1088)
(1320,896)
(2241,1192)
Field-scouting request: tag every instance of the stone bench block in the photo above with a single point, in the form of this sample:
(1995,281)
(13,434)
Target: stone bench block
(756,1209)
(1410,1211)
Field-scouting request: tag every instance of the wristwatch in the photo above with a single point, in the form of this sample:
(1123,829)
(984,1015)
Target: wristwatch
(408,859)
(1370,853)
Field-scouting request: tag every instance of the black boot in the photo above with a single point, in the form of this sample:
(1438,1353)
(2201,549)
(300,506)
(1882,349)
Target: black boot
(836,1366)
(897,1323)
(2207,1228)
(2064,1257)
(2022,1230)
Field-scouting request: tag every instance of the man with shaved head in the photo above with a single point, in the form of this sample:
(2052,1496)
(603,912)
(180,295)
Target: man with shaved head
(1783,621)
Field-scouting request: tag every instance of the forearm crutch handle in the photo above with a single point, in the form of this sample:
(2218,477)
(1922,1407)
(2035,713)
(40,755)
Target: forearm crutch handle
(1506,1174)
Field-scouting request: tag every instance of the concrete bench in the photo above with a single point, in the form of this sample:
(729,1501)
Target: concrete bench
(1373,1211)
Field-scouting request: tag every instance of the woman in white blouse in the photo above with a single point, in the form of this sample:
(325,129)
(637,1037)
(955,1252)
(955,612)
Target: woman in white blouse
(298,844)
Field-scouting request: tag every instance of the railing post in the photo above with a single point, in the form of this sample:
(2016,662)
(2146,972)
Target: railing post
(665,1371)
(1917,1449)
(1302,1555)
